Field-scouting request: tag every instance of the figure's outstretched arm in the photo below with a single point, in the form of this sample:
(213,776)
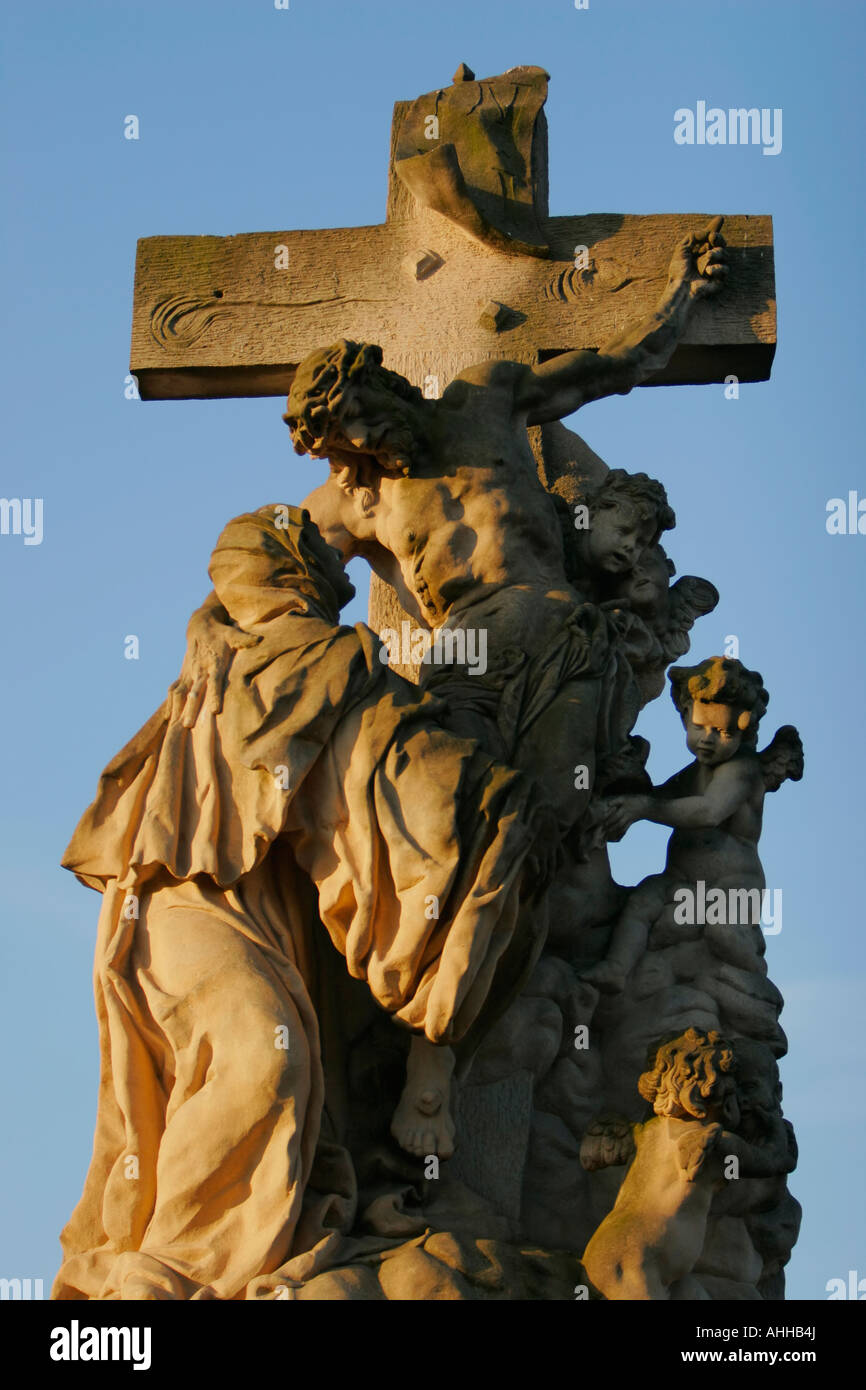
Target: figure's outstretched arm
(565,383)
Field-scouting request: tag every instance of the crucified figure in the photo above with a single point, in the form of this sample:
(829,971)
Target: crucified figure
(442,498)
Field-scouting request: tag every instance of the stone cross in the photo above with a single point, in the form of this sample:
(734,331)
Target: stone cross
(467,266)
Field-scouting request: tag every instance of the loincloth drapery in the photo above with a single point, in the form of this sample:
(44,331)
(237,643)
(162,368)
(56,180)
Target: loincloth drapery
(538,643)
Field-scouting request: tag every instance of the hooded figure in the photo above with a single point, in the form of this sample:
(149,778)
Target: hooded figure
(322,793)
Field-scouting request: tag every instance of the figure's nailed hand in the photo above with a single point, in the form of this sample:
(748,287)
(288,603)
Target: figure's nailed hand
(701,261)
(211,642)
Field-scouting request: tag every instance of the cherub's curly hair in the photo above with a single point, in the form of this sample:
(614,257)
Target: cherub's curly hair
(639,491)
(686,1071)
(721,680)
(336,371)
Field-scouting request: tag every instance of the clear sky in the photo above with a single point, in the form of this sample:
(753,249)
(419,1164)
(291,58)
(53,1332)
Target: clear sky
(254,119)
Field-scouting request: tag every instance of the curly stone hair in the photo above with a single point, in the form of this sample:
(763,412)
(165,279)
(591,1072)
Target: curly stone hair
(721,680)
(686,1072)
(639,491)
(326,382)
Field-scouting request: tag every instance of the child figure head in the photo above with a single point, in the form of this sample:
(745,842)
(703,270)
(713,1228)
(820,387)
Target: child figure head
(647,587)
(691,1077)
(628,512)
(759,1088)
(721,704)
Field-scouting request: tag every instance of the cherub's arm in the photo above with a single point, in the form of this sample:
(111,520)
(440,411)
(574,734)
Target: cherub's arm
(565,383)
(731,785)
(615,814)
(772,1157)
(674,787)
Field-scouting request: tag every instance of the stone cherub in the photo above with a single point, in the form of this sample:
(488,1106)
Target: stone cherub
(714,804)
(622,517)
(754,1222)
(618,561)
(648,1245)
(771,1213)
(669,612)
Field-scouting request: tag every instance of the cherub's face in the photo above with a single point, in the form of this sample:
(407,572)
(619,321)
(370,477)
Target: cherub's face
(714,732)
(723,1109)
(647,585)
(616,537)
(759,1092)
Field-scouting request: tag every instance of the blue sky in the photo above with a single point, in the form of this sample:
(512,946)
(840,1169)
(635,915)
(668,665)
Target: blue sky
(257,119)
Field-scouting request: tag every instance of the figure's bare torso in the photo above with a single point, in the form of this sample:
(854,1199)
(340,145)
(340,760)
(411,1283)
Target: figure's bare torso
(474,517)
(469,539)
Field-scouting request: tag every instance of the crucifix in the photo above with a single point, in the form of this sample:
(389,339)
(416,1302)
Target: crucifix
(467,271)
(467,266)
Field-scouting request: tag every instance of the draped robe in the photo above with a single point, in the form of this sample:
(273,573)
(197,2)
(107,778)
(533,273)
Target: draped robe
(323,795)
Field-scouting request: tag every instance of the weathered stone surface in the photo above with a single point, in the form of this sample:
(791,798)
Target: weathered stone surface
(214,317)
(233,316)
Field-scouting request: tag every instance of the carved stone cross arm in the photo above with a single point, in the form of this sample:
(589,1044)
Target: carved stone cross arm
(467,267)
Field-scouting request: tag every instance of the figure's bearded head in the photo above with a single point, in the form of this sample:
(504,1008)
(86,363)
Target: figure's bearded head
(343,402)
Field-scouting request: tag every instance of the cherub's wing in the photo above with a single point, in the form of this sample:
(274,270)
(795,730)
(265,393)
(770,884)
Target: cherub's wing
(694,1146)
(691,598)
(608,1142)
(782,758)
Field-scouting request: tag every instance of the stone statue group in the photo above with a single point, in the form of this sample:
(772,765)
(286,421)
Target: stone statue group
(375,1020)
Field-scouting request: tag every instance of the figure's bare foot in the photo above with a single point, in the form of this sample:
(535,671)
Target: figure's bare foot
(422,1123)
(607,976)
